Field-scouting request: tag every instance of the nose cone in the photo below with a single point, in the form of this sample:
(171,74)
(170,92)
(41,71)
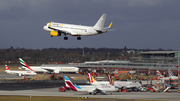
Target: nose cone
(46,28)
(77,70)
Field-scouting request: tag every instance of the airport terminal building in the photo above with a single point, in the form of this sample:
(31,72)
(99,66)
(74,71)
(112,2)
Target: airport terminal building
(150,59)
(161,57)
(146,61)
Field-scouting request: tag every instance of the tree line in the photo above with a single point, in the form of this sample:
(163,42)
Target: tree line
(67,55)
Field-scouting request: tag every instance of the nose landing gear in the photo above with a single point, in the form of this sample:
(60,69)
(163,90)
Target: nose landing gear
(65,38)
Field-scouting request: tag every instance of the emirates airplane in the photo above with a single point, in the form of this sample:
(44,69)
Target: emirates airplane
(51,69)
(56,29)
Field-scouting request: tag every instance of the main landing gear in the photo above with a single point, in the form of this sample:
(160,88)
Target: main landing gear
(78,38)
(66,38)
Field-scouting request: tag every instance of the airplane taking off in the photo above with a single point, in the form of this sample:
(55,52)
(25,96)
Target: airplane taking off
(91,89)
(48,69)
(56,29)
(19,73)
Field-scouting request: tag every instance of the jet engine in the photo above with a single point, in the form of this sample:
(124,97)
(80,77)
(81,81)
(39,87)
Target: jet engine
(19,74)
(54,33)
(56,71)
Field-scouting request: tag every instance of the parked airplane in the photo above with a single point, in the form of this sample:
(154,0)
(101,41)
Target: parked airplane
(91,89)
(56,29)
(19,73)
(159,75)
(48,69)
(171,75)
(118,84)
(32,68)
(61,69)
(167,80)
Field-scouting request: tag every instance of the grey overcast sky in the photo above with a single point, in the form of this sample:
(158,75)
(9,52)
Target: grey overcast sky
(139,24)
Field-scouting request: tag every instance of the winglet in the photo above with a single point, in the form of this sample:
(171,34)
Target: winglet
(110,24)
(50,24)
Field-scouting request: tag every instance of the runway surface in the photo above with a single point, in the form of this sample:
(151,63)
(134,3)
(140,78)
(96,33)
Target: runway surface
(33,85)
(4,75)
(52,89)
(121,95)
(44,88)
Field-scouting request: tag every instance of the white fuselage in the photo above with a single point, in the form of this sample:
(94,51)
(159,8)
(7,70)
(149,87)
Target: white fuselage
(62,69)
(20,73)
(52,69)
(90,88)
(169,78)
(127,84)
(74,30)
(119,84)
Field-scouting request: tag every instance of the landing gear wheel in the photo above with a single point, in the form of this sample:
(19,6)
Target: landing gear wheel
(78,38)
(65,38)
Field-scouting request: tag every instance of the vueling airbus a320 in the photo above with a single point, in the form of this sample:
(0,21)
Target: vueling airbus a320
(56,29)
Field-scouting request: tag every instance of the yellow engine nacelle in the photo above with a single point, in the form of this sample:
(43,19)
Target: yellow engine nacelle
(54,33)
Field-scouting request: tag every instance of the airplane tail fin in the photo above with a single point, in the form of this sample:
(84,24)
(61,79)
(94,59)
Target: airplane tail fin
(160,76)
(91,78)
(68,83)
(101,21)
(170,73)
(24,65)
(6,67)
(111,81)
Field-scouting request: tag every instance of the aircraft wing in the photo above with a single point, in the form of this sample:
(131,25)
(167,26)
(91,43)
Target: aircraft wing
(49,70)
(68,32)
(92,91)
(103,92)
(130,86)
